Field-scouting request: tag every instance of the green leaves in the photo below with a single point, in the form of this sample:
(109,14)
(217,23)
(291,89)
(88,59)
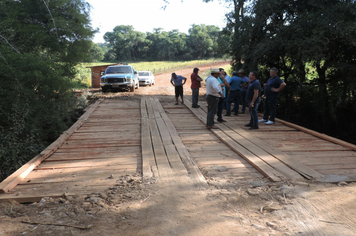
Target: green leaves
(312,43)
(127,44)
(40,43)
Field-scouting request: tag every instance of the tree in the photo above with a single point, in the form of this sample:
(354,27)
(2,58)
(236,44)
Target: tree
(40,43)
(96,53)
(200,41)
(311,42)
(125,42)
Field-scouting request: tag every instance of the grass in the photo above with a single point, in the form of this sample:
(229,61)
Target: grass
(83,77)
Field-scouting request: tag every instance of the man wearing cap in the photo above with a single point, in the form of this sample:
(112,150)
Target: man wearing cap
(271,91)
(177,82)
(245,81)
(222,100)
(195,78)
(214,93)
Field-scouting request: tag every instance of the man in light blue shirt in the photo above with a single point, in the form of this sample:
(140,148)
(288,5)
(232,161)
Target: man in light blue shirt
(234,95)
(177,82)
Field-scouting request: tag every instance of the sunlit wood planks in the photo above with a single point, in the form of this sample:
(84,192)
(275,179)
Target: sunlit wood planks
(91,158)
(162,148)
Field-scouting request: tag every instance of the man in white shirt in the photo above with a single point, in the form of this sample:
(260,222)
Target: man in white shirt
(213,93)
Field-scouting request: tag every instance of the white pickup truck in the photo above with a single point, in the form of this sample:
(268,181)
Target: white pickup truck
(119,77)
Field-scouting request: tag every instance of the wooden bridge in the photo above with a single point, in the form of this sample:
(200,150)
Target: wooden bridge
(151,137)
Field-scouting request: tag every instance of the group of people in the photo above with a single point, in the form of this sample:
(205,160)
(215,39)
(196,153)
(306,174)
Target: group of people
(223,90)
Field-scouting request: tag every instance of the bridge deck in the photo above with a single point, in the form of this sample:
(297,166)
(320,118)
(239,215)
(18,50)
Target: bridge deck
(155,138)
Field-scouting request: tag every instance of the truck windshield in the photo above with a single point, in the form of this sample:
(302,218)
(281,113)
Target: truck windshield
(118,70)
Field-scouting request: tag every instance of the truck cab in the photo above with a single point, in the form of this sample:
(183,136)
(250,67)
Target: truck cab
(119,77)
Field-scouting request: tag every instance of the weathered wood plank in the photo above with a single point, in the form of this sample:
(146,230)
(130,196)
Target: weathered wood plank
(88,163)
(172,154)
(149,167)
(163,166)
(188,162)
(258,163)
(320,135)
(286,165)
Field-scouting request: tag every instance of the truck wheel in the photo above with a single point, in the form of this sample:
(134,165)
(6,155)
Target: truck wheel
(104,89)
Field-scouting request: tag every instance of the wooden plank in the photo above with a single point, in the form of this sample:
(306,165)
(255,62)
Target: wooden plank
(333,154)
(285,163)
(116,136)
(149,168)
(92,177)
(172,154)
(104,155)
(97,121)
(163,166)
(100,144)
(155,108)
(78,173)
(319,135)
(14,179)
(187,160)
(307,148)
(150,111)
(109,128)
(77,151)
(294,166)
(58,188)
(88,163)
(259,164)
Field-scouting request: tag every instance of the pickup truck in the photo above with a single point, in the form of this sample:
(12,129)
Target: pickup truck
(119,77)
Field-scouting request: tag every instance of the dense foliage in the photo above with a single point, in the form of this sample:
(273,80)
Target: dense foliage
(40,43)
(313,44)
(126,44)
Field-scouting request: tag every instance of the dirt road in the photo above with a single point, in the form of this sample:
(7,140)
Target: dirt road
(175,206)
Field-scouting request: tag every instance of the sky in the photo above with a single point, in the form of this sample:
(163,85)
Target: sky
(145,15)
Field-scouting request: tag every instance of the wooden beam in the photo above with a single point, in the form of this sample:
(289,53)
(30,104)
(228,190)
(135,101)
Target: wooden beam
(163,165)
(14,179)
(319,135)
(186,158)
(149,168)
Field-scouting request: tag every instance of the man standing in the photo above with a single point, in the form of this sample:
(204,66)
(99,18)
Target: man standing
(213,93)
(253,97)
(245,81)
(271,91)
(225,88)
(234,95)
(195,78)
(177,82)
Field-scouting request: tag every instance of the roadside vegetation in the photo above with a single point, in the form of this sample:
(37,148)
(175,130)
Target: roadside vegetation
(40,45)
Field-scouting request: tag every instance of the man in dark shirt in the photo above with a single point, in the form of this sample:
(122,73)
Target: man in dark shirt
(195,78)
(271,91)
(253,97)
(234,95)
